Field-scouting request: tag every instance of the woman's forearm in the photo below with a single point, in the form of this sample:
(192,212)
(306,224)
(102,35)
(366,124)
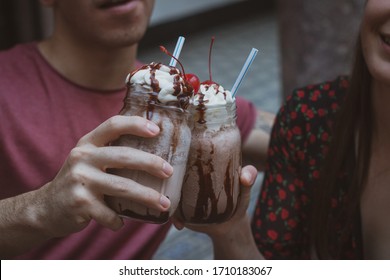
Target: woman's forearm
(237,244)
(254,150)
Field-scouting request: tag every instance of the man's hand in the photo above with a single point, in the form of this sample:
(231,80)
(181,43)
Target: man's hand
(76,195)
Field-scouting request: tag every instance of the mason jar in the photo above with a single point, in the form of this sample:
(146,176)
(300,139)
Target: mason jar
(211,188)
(172,144)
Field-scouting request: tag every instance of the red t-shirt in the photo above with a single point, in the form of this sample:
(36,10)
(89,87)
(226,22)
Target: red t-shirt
(43,115)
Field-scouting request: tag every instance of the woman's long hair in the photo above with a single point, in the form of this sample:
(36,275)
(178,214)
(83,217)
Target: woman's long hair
(349,150)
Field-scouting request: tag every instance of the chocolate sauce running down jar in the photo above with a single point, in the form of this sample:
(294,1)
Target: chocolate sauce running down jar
(172,144)
(211,185)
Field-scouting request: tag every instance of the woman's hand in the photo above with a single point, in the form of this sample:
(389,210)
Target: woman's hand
(232,239)
(247,178)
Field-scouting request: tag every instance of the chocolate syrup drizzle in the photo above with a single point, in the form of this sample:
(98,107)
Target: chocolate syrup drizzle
(207,200)
(162,218)
(182,90)
(201,108)
(206,209)
(183,98)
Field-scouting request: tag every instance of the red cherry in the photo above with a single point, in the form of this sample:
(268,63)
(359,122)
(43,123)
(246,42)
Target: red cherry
(194,81)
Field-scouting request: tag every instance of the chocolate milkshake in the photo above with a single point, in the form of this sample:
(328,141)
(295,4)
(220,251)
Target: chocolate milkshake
(211,185)
(160,94)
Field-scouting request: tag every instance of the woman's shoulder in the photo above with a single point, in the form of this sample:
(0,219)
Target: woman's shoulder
(321,94)
(316,101)
(308,115)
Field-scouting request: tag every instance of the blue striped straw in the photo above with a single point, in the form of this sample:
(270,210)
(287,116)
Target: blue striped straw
(244,70)
(176,52)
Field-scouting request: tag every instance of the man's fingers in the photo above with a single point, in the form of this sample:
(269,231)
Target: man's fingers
(116,126)
(130,159)
(105,216)
(117,186)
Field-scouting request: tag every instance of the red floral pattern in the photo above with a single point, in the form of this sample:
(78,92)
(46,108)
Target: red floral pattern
(299,142)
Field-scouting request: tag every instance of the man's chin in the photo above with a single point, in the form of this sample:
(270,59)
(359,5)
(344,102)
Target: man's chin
(120,40)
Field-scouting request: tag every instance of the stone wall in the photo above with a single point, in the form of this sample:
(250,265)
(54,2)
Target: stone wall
(317,39)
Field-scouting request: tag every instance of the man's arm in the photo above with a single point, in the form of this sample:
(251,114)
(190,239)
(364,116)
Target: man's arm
(20,224)
(76,195)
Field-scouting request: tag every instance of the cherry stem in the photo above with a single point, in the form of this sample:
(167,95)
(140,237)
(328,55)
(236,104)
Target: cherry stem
(211,48)
(164,50)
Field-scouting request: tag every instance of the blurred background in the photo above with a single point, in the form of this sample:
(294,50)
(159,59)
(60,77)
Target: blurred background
(299,41)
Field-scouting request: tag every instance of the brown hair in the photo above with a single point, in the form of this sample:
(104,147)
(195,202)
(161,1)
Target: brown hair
(352,126)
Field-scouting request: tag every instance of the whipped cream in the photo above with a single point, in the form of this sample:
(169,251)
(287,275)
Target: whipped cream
(214,94)
(165,80)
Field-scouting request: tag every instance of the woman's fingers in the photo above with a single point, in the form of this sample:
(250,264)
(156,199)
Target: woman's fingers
(247,178)
(178,224)
(248,175)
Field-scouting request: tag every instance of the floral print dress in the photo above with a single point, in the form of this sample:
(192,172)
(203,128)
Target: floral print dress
(299,143)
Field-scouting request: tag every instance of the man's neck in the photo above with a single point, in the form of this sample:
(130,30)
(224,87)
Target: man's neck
(95,68)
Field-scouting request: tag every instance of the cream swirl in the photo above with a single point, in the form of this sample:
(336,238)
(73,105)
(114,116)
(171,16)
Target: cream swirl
(214,94)
(166,81)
